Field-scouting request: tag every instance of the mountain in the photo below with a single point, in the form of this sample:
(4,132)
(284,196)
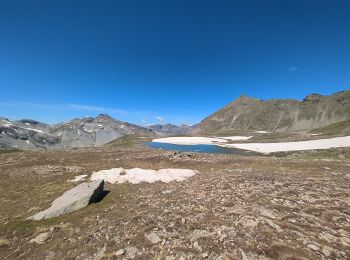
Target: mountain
(279,115)
(83,132)
(171,129)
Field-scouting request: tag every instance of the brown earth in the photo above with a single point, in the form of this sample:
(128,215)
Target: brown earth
(286,206)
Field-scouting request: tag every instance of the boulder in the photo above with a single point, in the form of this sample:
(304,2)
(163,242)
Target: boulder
(74,199)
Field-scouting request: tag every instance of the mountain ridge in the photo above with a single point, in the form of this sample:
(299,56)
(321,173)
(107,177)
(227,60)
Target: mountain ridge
(78,132)
(246,113)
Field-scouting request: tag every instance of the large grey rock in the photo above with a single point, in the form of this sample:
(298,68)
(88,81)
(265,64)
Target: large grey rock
(74,199)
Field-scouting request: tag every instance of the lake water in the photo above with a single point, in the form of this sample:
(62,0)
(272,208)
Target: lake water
(199,148)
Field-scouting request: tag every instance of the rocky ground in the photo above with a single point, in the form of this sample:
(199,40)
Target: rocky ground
(294,206)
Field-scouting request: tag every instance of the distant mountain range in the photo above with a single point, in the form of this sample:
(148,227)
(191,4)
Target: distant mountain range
(278,115)
(327,113)
(171,129)
(83,132)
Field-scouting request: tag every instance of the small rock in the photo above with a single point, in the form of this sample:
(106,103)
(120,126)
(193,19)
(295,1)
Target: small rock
(273,225)
(153,238)
(119,252)
(4,242)
(244,256)
(326,250)
(166,192)
(205,255)
(313,247)
(267,213)
(345,241)
(40,239)
(197,247)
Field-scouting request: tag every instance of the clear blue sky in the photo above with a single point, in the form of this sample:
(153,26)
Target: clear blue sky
(166,61)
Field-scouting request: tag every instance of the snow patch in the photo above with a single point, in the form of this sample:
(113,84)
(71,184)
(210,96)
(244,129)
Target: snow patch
(261,132)
(87,130)
(78,178)
(137,175)
(35,130)
(293,146)
(189,140)
(236,138)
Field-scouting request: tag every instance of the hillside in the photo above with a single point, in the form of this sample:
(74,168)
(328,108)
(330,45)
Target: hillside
(171,129)
(80,132)
(279,115)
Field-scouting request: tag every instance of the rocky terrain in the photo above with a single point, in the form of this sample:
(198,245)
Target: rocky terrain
(170,129)
(281,206)
(84,132)
(279,115)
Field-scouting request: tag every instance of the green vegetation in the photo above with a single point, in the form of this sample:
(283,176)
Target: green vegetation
(9,150)
(131,140)
(282,115)
(340,128)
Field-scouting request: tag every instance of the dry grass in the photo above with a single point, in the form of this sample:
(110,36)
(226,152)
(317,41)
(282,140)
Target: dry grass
(221,211)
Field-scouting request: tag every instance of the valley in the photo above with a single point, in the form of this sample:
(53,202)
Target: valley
(175,192)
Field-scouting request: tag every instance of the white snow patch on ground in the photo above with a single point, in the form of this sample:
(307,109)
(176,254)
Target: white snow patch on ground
(78,178)
(137,175)
(88,130)
(35,130)
(261,132)
(236,138)
(315,134)
(189,140)
(293,146)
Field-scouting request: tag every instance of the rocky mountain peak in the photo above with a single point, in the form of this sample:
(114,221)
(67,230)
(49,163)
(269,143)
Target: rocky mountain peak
(313,97)
(104,117)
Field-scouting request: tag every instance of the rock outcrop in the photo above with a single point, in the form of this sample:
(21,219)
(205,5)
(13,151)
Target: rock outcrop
(74,199)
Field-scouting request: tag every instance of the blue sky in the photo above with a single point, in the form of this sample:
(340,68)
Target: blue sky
(166,61)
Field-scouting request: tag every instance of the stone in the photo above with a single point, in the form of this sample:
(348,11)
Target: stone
(40,239)
(313,247)
(153,238)
(244,256)
(4,242)
(326,250)
(119,252)
(205,255)
(73,199)
(273,225)
(345,241)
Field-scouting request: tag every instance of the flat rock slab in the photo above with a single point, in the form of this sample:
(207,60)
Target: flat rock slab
(74,199)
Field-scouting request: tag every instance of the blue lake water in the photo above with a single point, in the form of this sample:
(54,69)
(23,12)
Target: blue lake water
(199,148)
